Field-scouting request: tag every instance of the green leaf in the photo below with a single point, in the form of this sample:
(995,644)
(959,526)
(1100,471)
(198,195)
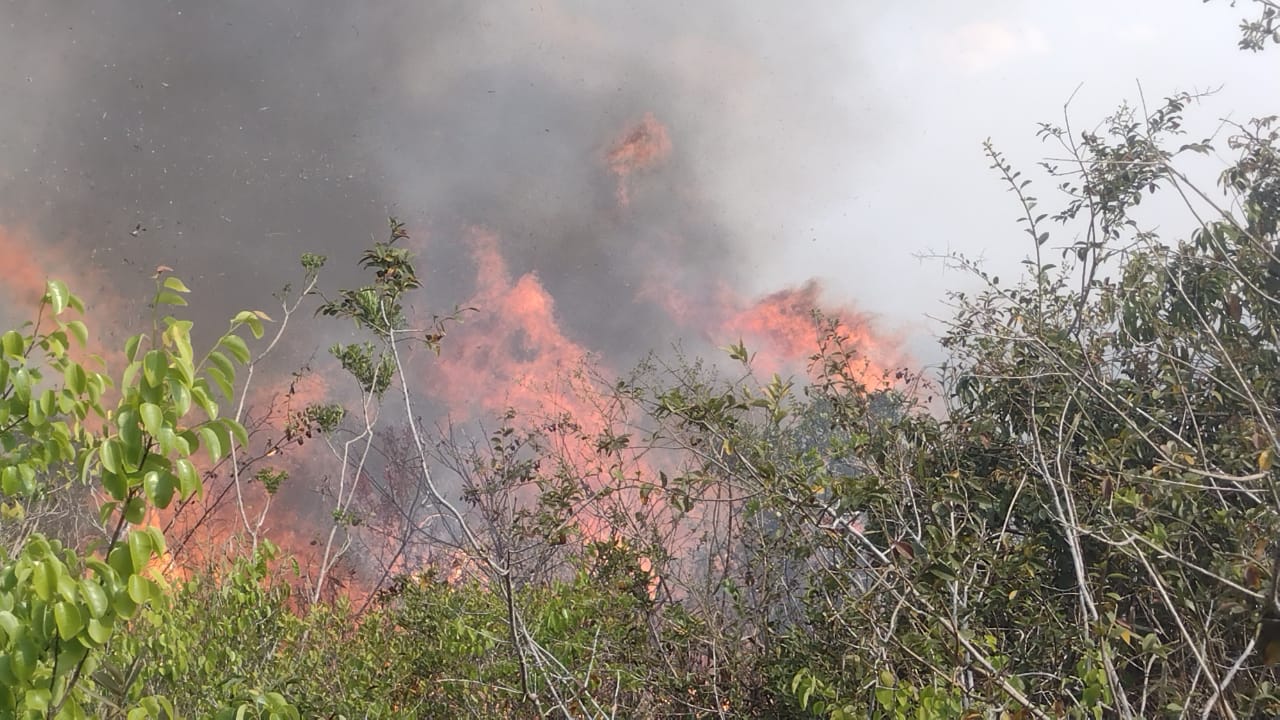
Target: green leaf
(139,551)
(223,432)
(57,294)
(99,630)
(159,487)
(188,478)
(66,585)
(237,347)
(165,297)
(173,283)
(200,395)
(181,397)
(154,367)
(79,331)
(37,700)
(115,486)
(69,657)
(253,319)
(131,348)
(67,617)
(212,445)
(12,343)
(95,598)
(221,362)
(152,418)
(237,431)
(130,374)
(74,378)
(157,539)
(121,561)
(165,439)
(35,413)
(135,510)
(10,625)
(180,333)
(182,370)
(138,589)
(110,455)
(131,441)
(42,580)
(222,381)
(186,442)
(21,384)
(124,605)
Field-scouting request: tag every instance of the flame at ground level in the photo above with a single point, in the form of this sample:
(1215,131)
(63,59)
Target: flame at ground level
(515,353)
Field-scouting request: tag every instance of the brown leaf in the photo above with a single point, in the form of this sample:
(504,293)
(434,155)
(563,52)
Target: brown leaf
(1271,652)
(904,549)
(1252,577)
(1269,640)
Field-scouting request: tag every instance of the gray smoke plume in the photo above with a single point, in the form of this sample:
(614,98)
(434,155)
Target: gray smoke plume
(224,138)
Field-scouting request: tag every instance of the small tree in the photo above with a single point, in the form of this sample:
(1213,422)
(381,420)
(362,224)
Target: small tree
(132,439)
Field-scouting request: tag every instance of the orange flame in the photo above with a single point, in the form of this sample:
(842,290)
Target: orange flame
(516,354)
(643,147)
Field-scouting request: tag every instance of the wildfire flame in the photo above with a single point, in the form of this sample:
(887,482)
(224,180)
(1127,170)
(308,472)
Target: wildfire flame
(514,353)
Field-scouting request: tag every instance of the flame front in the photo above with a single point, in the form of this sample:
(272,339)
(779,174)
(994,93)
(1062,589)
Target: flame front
(514,353)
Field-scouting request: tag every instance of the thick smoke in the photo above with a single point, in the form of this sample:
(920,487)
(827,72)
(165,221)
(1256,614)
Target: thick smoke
(223,139)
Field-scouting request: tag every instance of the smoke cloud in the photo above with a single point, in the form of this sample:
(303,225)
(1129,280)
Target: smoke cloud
(223,139)
(605,178)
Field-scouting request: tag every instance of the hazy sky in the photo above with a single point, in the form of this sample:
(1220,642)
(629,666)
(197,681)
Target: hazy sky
(810,139)
(930,81)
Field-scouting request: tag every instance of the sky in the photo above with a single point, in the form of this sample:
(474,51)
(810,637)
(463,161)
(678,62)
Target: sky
(944,79)
(836,141)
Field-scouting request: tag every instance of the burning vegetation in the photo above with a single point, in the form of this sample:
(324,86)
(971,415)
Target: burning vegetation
(366,501)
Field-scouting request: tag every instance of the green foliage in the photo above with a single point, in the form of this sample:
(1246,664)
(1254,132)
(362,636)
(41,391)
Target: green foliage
(1262,29)
(212,648)
(378,306)
(430,649)
(1092,526)
(372,369)
(271,479)
(61,609)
